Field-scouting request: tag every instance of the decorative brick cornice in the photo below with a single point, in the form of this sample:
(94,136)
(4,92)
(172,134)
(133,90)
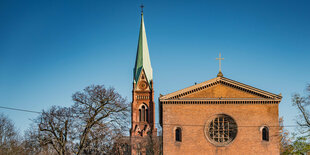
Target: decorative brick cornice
(220,102)
(225,81)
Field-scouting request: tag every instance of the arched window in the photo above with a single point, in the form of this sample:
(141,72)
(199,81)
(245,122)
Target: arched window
(143,113)
(178,134)
(140,115)
(265,133)
(147,115)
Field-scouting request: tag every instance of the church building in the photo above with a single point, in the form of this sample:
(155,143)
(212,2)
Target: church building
(216,117)
(220,117)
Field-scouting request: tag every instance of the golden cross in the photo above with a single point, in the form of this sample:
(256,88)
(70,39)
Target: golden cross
(220,59)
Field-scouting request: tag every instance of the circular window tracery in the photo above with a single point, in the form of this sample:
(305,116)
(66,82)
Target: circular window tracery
(221,130)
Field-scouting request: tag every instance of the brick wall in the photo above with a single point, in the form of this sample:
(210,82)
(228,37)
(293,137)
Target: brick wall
(193,117)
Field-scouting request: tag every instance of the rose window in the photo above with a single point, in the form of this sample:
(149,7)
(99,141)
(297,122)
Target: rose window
(221,130)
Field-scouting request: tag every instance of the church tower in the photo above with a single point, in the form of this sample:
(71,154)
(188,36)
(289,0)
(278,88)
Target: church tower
(142,106)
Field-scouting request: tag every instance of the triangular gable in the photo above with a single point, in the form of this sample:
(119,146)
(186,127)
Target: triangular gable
(220,91)
(142,79)
(220,87)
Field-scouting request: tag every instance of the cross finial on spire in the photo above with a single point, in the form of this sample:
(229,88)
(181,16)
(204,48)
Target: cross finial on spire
(142,6)
(220,74)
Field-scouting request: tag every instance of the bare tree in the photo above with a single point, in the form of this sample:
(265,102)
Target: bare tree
(9,140)
(33,145)
(97,108)
(104,139)
(56,128)
(285,140)
(121,146)
(93,125)
(100,139)
(302,103)
(151,144)
(154,143)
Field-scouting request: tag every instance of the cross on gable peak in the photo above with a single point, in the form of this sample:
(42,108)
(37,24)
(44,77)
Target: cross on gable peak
(220,74)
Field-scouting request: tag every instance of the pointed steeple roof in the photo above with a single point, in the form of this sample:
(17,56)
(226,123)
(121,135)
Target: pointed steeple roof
(143,58)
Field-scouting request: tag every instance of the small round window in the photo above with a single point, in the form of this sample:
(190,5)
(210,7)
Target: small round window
(221,130)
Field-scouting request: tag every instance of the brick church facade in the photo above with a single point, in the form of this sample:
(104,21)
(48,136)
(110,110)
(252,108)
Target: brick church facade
(219,116)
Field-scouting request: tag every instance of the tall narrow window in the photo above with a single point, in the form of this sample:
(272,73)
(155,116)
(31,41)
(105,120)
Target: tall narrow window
(143,113)
(178,134)
(140,115)
(147,115)
(265,134)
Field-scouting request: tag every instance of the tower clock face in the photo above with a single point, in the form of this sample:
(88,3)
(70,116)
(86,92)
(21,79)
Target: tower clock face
(143,85)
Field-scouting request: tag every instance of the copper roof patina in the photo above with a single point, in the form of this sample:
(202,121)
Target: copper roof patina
(143,58)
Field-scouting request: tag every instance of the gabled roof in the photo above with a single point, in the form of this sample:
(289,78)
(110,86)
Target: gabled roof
(181,94)
(143,61)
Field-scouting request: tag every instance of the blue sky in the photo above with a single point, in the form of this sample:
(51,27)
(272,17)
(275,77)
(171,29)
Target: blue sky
(51,49)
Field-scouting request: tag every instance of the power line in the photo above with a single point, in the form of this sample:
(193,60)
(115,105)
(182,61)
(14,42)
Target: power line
(23,110)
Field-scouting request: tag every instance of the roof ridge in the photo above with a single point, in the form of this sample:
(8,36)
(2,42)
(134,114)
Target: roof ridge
(224,79)
(196,86)
(251,87)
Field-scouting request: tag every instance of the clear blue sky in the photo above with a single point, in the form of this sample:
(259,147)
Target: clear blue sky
(51,49)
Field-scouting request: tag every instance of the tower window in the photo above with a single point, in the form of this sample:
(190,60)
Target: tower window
(140,115)
(143,113)
(147,115)
(265,134)
(178,134)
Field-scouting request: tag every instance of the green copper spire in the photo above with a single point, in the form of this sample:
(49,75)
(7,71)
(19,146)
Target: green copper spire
(143,58)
